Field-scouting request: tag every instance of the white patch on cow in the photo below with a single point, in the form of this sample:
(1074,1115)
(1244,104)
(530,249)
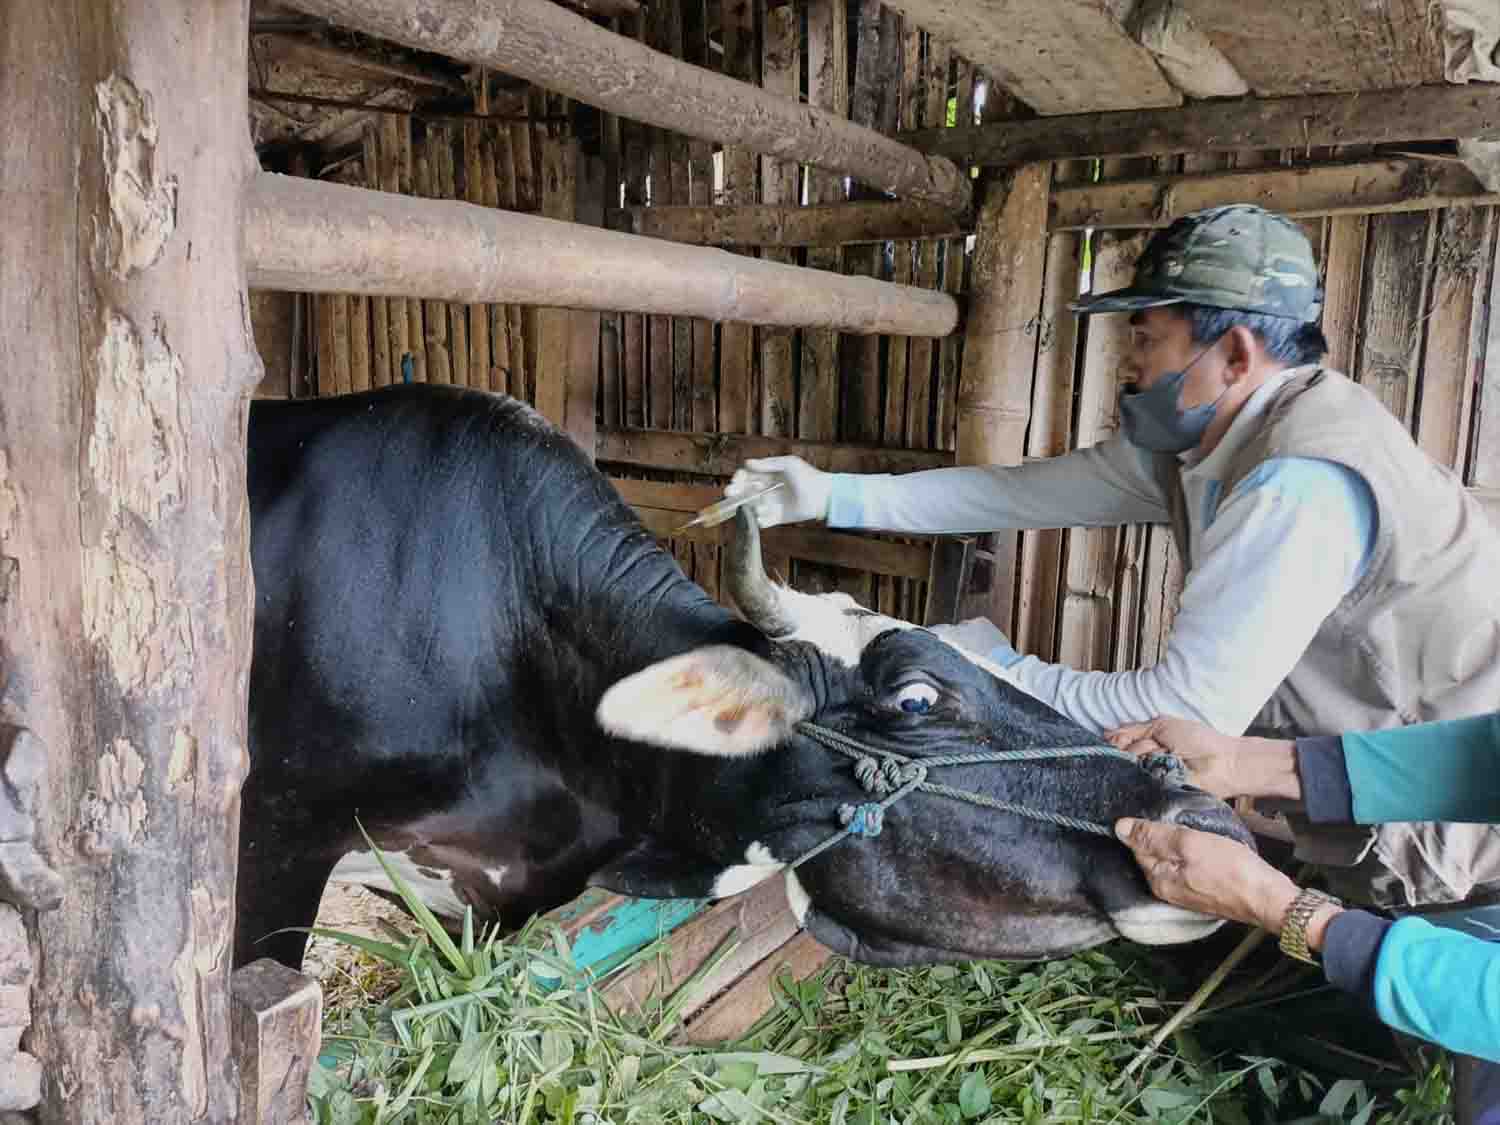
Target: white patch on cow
(433,886)
(496,875)
(836,624)
(797,897)
(759,866)
(1160,923)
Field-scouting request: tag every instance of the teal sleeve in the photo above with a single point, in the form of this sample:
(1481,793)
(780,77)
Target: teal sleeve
(1442,985)
(1430,771)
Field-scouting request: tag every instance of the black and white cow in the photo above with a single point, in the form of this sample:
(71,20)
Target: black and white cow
(465,638)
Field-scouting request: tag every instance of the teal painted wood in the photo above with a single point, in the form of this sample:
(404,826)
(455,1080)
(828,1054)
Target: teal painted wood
(634,923)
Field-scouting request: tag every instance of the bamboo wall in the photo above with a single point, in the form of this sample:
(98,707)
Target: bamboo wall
(1407,314)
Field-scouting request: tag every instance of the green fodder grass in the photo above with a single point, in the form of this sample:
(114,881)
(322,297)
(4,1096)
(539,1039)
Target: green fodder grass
(482,1028)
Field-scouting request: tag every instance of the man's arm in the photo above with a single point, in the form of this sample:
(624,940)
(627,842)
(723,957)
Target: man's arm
(1107,484)
(1285,548)
(1430,771)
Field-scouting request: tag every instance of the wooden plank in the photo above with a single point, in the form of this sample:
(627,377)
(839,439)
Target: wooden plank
(1483,459)
(827,90)
(434,313)
(1085,635)
(1058,56)
(737,340)
(948,579)
(733,1013)
(704,407)
(1351,188)
(389,156)
(603,928)
(326,384)
(720,454)
(1396,271)
(525,155)
(1000,346)
(950,350)
(1453,356)
(359,343)
(559,180)
(339,326)
(920,374)
(1320,46)
(755,924)
(1048,436)
(445,185)
(380,321)
(581,378)
(478,314)
(498,361)
(1343,285)
(1232,124)
(275,1028)
(545,44)
(781,65)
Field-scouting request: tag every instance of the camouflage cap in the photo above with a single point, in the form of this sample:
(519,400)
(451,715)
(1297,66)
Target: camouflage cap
(1238,257)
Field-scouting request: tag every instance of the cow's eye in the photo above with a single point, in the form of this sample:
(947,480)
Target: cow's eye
(916,698)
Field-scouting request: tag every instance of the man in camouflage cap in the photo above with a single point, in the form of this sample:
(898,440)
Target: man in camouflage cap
(1336,579)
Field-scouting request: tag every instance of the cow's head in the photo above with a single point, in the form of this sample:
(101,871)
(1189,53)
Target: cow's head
(944,879)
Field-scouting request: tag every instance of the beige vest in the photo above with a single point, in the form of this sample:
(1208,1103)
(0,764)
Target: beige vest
(1417,639)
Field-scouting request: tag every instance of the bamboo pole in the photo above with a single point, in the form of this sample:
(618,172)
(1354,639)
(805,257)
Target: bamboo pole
(309,236)
(556,49)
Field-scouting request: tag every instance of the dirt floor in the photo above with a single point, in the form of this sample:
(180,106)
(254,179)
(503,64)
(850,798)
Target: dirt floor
(354,910)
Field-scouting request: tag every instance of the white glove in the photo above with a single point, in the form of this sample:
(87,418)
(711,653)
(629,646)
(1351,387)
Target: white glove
(804,493)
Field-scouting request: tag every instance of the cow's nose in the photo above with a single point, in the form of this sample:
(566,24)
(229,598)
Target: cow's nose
(1193,808)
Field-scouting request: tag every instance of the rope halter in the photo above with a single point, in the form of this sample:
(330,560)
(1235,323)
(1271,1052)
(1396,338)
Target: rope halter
(891,777)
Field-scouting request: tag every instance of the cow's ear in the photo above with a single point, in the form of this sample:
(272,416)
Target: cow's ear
(713,700)
(650,870)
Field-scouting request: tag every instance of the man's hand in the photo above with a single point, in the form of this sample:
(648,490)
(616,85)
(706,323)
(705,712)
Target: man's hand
(804,494)
(1215,875)
(1211,874)
(1217,763)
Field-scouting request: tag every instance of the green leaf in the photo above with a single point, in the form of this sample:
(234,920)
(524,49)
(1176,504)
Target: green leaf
(473,1052)
(737,1074)
(1268,1085)
(557,1049)
(1338,1096)
(974,1095)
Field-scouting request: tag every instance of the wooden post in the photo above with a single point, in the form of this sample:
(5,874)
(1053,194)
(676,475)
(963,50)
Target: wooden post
(1386,360)
(1000,344)
(125,578)
(1454,356)
(277,1021)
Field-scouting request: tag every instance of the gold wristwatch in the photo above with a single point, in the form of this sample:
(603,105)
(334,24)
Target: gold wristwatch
(1294,925)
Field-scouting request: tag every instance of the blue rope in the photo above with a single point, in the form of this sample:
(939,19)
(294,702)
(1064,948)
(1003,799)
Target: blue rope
(891,777)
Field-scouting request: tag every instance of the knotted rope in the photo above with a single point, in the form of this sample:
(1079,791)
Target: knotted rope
(891,777)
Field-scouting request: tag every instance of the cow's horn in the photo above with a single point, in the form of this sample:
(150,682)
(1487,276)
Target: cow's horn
(752,591)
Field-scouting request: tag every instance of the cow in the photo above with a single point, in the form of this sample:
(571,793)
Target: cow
(466,642)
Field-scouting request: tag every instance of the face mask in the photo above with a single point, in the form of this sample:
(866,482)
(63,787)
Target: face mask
(1152,420)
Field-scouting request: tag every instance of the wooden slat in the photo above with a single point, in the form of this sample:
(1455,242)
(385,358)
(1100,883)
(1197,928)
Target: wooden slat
(478,314)
(392,128)
(950,350)
(721,454)
(920,374)
(1232,124)
(733,1013)
(948,579)
(445,183)
(1343,283)
(1395,285)
(1453,356)
(339,326)
(359,343)
(1320,46)
(1085,637)
(757,923)
(1353,188)
(737,341)
(1484,455)
(380,323)
(498,360)
(434,313)
(326,384)
(1058,56)
(781,64)
(581,379)
(559,179)
(812,544)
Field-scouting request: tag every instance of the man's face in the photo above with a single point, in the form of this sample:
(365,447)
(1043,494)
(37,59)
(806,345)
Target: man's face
(1160,343)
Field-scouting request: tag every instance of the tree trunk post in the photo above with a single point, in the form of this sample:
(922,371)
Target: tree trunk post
(125,586)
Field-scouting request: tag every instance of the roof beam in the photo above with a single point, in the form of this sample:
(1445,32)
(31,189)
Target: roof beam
(568,54)
(311,236)
(1057,56)
(1371,117)
(1322,189)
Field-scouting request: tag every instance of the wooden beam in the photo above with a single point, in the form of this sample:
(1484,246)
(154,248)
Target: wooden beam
(765,224)
(308,236)
(1186,55)
(561,51)
(1362,187)
(732,1014)
(720,455)
(1321,46)
(1370,117)
(1057,56)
